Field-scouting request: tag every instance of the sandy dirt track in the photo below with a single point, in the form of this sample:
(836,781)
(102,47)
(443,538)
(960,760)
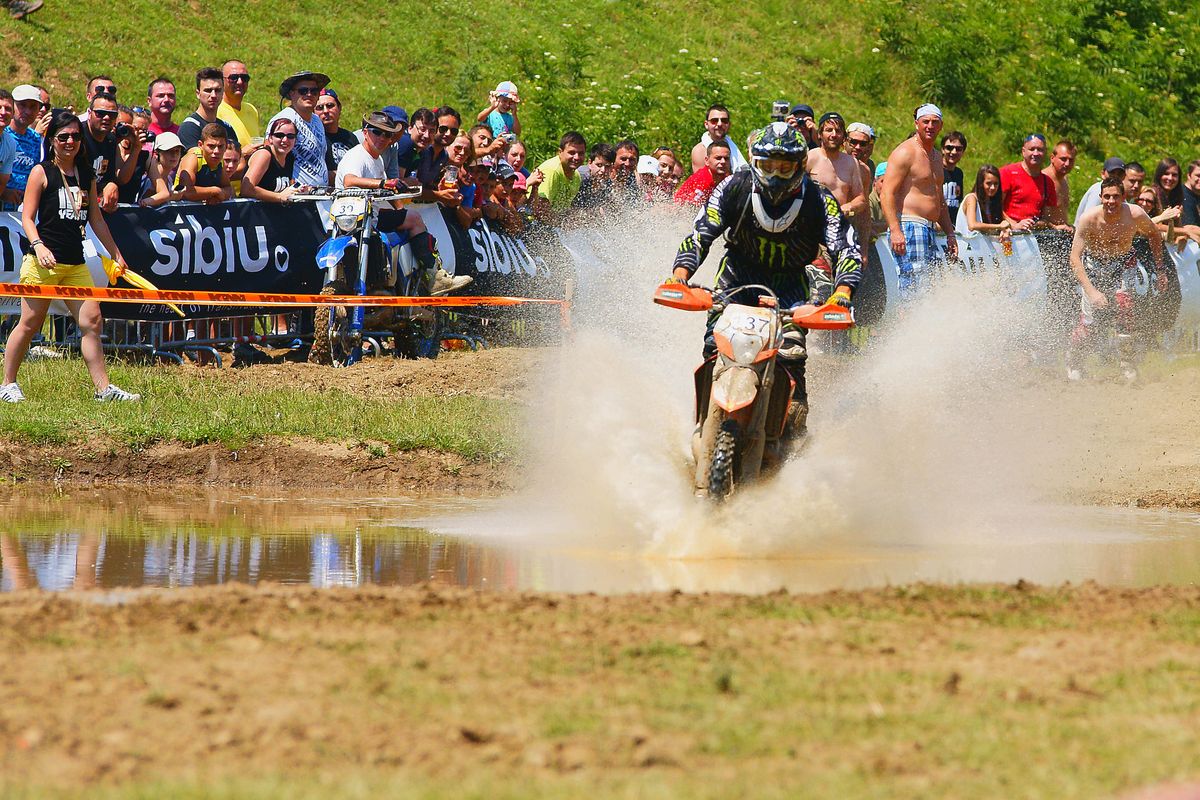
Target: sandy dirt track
(714,695)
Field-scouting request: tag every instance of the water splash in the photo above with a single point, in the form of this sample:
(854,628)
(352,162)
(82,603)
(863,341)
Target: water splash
(920,438)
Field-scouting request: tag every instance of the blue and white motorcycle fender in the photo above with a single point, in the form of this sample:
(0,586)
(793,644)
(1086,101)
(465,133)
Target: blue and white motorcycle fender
(735,387)
(330,254)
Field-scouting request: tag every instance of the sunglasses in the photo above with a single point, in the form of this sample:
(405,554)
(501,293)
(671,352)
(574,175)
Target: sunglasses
(444,129)
(105,90)
(376,131)
(307,90)
(139,110)
(240,77)
(1038,136)
(45,106)
(858,142)
(69,137)
(719,120)
(104,114)
(283,136)
(953,148)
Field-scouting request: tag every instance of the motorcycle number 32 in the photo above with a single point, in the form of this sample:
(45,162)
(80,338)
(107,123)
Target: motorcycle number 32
(348,206)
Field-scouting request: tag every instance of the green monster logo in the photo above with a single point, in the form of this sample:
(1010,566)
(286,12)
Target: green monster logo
(769,251)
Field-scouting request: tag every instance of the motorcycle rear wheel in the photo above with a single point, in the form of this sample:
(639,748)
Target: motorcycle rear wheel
(724,456)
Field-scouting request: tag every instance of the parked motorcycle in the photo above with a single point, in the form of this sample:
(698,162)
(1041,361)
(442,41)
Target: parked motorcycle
(359,259)
(741,406)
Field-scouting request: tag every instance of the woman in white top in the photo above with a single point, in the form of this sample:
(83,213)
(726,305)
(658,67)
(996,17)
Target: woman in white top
(982,210)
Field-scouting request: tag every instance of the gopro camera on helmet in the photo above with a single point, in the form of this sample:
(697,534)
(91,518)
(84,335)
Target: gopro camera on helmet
(779,110)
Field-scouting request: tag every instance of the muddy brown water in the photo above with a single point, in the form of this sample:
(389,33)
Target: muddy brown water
(118,539)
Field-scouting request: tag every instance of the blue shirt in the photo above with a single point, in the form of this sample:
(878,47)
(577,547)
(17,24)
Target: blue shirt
(500,123)
(29,154)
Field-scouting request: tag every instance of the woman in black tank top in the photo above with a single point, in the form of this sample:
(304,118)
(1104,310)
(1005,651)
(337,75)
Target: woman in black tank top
(269,171)
(60,199)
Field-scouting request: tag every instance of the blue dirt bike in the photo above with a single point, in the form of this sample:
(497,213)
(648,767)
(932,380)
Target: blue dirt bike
(358,259)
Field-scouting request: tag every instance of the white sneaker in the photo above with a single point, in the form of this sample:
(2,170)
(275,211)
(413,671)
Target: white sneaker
(39,353)
(445,283)
(11,393)
(115,393)
(1074,374)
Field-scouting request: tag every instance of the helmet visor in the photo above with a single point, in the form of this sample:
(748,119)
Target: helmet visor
(776,167)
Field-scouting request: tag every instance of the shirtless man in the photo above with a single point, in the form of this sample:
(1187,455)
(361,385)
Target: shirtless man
(1062,161)
(838,172)
(913,201)
(1100,254)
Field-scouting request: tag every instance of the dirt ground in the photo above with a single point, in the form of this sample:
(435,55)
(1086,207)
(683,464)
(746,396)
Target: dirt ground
(920,691)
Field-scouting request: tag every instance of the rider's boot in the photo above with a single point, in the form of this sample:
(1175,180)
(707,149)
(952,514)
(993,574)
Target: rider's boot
(437,279)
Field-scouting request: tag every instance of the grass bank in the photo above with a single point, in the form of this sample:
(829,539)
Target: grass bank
(192,407)
(1117,76)
(923,691)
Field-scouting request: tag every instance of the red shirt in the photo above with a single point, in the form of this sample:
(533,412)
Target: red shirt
(696,189)
(154,127)
(1026,196)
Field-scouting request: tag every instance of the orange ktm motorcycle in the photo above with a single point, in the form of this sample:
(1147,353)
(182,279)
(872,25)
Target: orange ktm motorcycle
(741,406)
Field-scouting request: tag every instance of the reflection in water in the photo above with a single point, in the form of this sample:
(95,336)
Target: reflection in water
(83,539)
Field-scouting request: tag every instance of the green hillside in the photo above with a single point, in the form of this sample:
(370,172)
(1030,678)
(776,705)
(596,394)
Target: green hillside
(1116,75)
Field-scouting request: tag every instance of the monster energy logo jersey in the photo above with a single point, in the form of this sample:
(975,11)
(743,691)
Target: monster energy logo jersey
(754,254)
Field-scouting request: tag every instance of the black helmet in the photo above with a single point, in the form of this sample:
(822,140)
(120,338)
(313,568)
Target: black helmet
(777,156)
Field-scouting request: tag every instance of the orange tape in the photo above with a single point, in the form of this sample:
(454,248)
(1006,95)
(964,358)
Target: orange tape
(111,295)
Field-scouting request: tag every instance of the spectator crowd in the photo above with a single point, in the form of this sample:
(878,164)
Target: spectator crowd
(137,153)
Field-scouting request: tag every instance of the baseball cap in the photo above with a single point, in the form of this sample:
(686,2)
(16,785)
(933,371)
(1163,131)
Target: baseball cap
(861,127)
(647,165)
(507,89)
(397,114)
(504,170)
(26,92)
(519,183)
(828,115)
(880,168)
(802,108)
(1113,162)
(167,141)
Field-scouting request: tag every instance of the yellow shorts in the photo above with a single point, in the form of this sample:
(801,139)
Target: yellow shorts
(34,274)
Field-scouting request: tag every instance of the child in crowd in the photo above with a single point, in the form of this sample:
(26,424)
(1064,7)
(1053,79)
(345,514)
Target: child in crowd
(231,160)
(162,170)
(501,113)
(202,173)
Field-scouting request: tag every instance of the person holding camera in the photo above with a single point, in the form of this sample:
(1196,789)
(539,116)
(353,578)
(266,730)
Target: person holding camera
(133,139)
(501,112)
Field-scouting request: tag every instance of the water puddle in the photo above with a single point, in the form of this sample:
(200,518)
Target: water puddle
(116,539)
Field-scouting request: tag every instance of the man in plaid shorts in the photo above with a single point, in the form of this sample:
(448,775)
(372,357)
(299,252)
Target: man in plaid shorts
(913,202)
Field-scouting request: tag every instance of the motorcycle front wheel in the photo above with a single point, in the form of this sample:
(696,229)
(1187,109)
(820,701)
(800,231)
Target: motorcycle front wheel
(325,339)
(720,468)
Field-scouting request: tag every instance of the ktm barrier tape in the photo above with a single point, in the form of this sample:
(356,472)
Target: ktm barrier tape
(251,298)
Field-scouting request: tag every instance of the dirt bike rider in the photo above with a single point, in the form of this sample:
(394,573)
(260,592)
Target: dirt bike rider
(775,219)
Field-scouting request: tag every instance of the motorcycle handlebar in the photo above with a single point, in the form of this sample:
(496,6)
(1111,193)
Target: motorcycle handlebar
(407,193)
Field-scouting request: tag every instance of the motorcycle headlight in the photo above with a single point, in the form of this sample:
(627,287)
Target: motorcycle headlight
(745,347)
(346,222)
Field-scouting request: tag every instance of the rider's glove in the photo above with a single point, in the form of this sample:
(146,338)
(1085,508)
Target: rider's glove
(841,297)
(673,280)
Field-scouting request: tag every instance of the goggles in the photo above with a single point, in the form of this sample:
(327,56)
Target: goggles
(776,167)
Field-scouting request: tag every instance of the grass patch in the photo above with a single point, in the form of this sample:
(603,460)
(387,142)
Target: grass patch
(193,409)
(1116,77)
